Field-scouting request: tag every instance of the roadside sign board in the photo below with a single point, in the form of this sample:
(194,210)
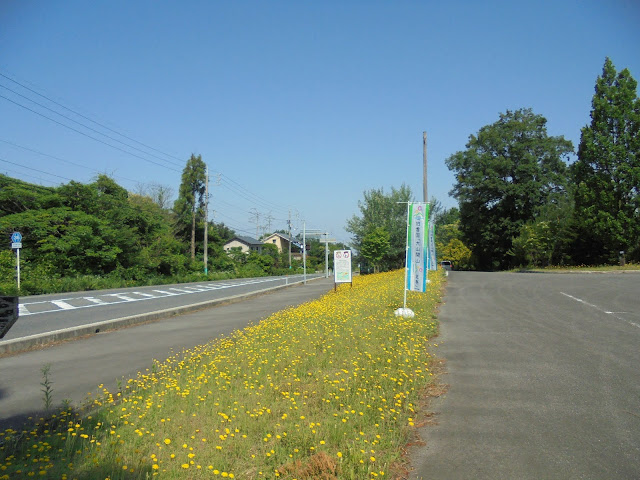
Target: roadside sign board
(342,266)
(8,313)
(16,245)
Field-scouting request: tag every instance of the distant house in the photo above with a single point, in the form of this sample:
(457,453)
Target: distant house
(246,244)
(282,241)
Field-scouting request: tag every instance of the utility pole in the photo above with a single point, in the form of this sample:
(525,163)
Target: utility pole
(424,166)
(326,242)
(326,255)
(304,250)
(206,222)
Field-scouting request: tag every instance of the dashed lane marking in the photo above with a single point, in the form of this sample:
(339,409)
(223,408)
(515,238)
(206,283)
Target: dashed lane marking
(613,314)
(94,301)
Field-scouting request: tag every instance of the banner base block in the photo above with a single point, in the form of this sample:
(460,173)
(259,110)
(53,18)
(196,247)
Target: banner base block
(404,312)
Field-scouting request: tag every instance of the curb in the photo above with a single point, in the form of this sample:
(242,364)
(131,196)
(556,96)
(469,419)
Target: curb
(18,345)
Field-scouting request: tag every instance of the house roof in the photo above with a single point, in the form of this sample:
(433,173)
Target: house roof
(246,240)
(292,240)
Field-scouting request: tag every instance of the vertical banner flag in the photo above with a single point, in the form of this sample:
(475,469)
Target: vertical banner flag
(342,266)
(417,256)
(432,245)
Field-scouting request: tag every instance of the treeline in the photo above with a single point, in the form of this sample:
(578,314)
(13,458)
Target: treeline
(98,235)
(525,198)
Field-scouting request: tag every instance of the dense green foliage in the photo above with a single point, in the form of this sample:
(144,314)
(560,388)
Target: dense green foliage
(607,173)
(98,235)
(521,204)
(375,245)
(509,171)
(387,211)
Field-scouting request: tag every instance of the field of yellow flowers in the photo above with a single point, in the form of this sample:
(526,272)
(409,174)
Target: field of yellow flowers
(326,390)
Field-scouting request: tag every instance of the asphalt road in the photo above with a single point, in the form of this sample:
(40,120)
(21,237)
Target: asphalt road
(78,367)
(45,313)
(544,379)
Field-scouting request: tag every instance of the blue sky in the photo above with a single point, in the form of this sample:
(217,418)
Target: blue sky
(300,106)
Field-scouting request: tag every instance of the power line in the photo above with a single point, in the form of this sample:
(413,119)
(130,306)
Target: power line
(35,169)
(246,193)
(232,227)
(87,118)
(89,136)
(252,201)
(30,176)
(218,201)
(61,159)
(84,126)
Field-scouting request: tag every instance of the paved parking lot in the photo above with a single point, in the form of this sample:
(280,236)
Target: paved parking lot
(544,379)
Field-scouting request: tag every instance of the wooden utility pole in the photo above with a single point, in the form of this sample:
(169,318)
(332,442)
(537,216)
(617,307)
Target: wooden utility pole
(424,166)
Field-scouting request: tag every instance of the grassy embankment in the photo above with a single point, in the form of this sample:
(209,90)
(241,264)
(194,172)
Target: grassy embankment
(326,390)
(586,268)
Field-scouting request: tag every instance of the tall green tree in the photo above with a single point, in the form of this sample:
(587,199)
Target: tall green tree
(607,172)
(508,171)
(375,245)
(388,211)
(190,202)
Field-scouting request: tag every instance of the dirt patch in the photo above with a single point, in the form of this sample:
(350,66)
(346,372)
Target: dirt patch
(319,466)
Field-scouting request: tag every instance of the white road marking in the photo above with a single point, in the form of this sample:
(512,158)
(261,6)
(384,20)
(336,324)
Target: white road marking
(121,296)
(97,301)
(124,297)
(613,314)
(63,305)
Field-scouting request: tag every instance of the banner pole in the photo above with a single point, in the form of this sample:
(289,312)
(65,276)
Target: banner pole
(406,258)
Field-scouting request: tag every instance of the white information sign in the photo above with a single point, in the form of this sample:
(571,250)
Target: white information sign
(342,266)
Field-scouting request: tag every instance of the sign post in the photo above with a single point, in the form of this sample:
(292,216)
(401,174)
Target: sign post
(342,267)
(16,244)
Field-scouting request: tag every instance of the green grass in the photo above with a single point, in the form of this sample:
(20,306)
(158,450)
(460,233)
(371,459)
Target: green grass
(324,391)
(586,268)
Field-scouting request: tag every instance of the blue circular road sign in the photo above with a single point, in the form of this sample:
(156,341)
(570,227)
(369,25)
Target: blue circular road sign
(16,237)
